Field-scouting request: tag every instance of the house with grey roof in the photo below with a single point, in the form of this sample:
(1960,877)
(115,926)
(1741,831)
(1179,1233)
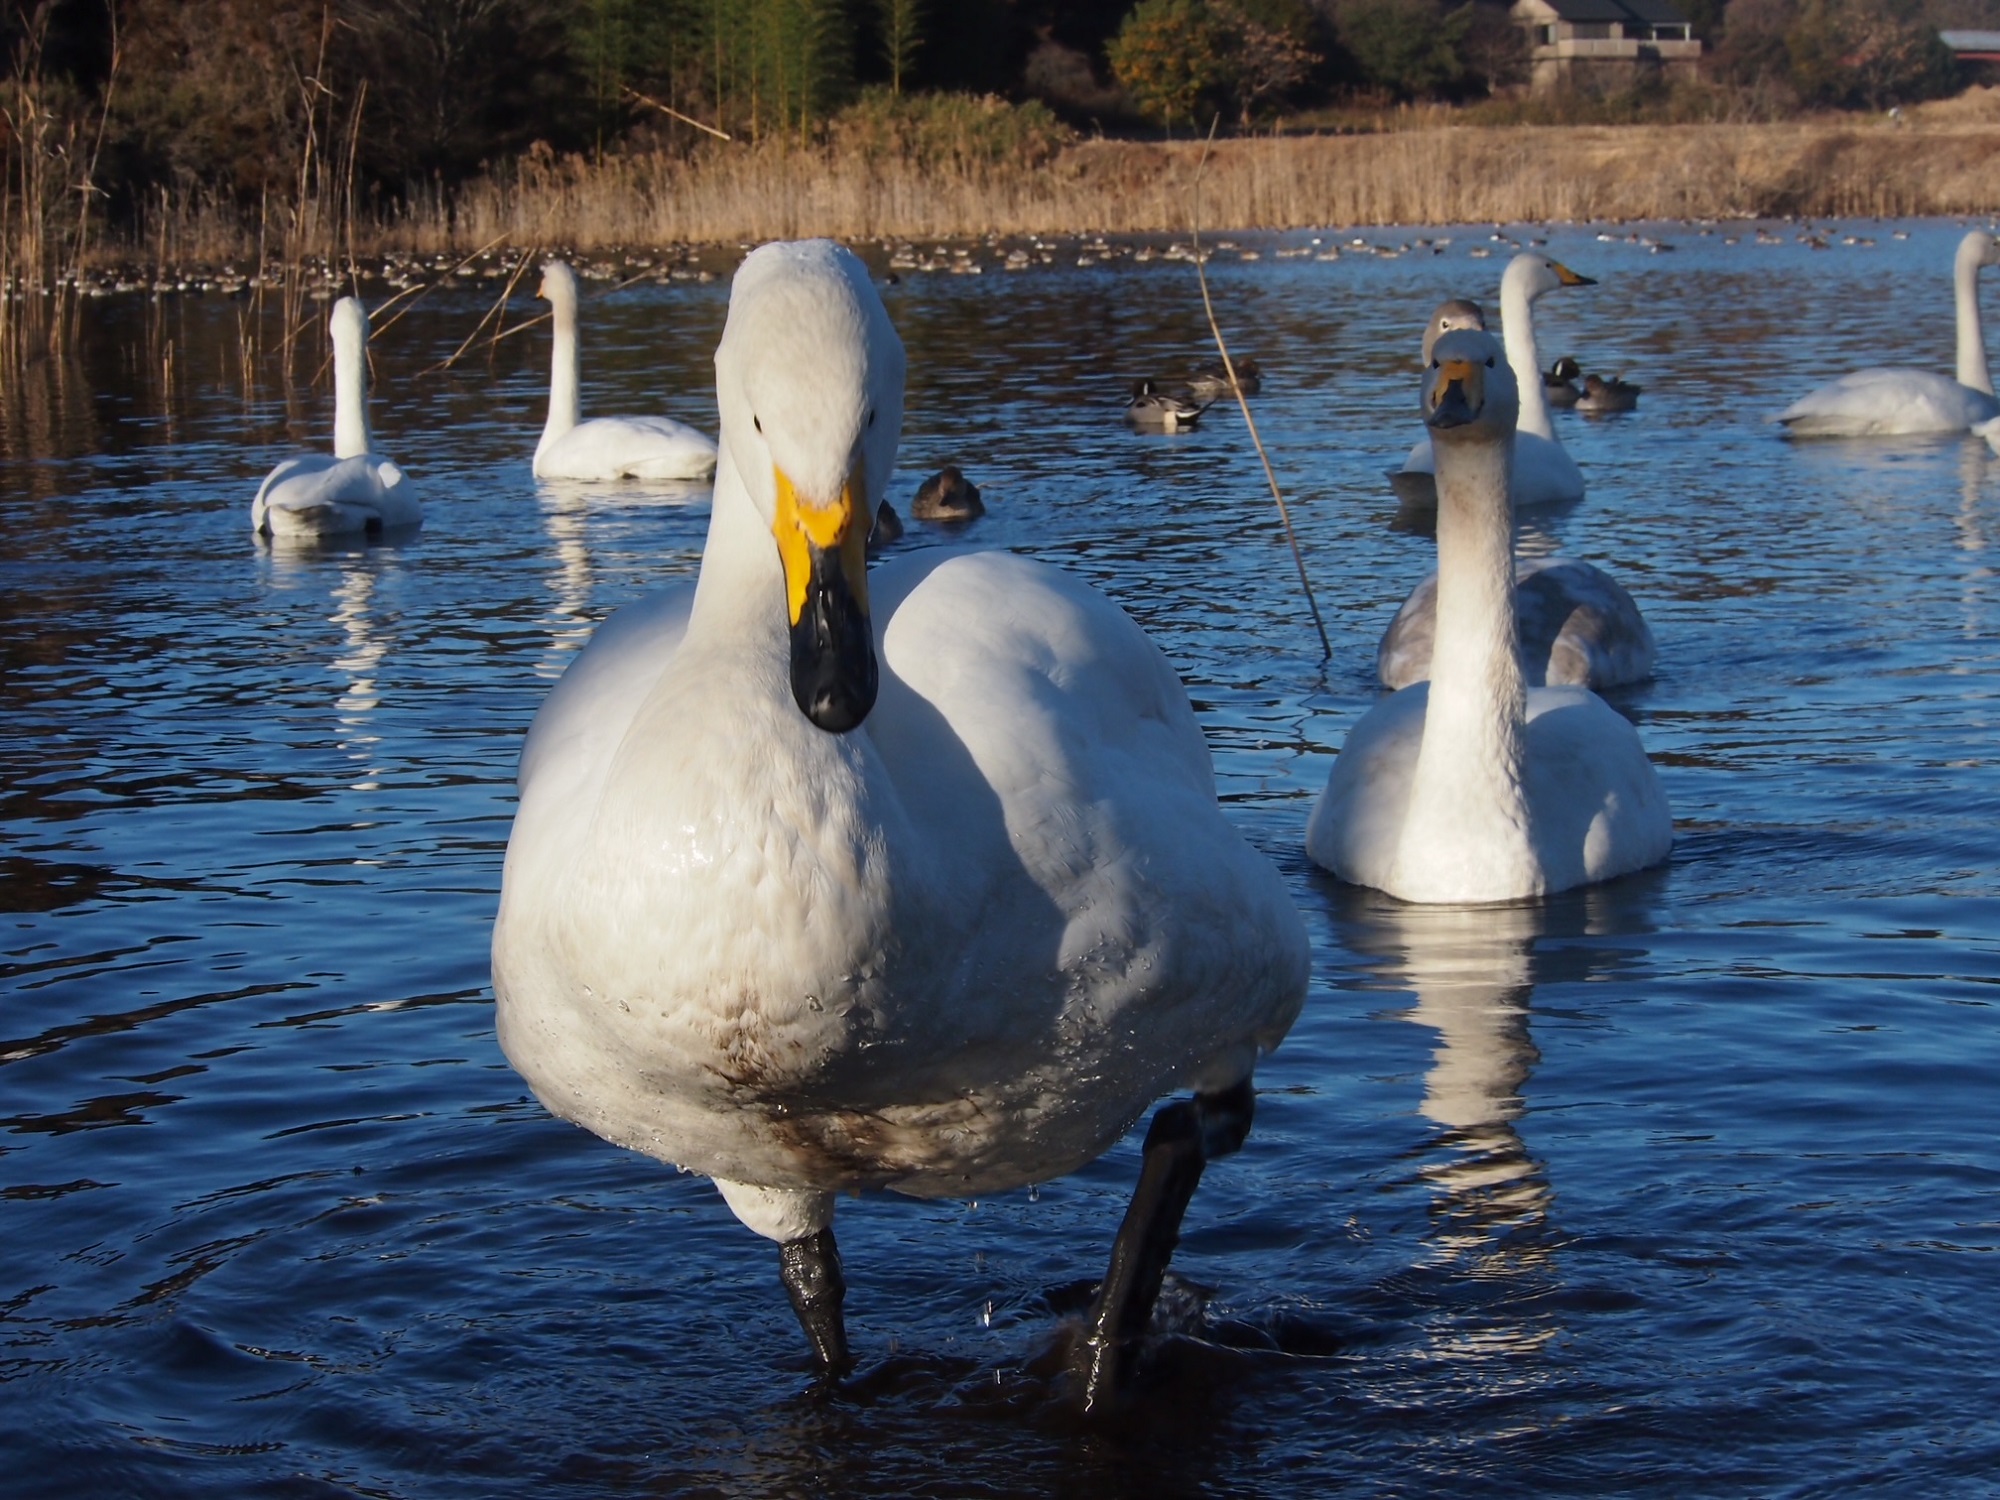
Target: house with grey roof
(1604,44)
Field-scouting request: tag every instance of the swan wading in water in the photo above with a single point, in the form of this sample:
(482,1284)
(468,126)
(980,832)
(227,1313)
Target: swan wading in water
(1897,403)
(1576,626)
(1544,473)
(1474,786)
(913,879)
(604,447)
(353,491)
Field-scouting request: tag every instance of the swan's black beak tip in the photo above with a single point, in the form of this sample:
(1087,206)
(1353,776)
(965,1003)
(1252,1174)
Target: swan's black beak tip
(834,676)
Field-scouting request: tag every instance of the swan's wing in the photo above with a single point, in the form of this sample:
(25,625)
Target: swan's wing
(1887,403)
(628,448)
(1356,826)
(1404,653)
(1578,625)
(1420,460)
(1008,680)
(1596,803)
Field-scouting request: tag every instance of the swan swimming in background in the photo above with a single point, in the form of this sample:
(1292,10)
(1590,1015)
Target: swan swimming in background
(826,879)
(1901,402)
(605,447)
(354,491)
(1575,624)
(1474,786)
(1544,473)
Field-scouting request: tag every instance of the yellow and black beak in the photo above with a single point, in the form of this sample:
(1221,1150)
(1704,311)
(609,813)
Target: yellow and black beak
(824,549)
(1456,392)
(1568,277)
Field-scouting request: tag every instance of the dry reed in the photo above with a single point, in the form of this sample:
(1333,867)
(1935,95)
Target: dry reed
(1428,176)
(1433,174)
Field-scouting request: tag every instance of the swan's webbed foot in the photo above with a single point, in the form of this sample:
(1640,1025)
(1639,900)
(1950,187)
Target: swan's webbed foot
(810,1269)
(1179,1143)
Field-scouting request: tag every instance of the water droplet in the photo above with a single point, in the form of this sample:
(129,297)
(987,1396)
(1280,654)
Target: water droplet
(986,1314)
(812,1003)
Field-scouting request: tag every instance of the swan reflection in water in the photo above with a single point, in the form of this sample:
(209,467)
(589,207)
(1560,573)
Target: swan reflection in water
(363,642)
(1472,971)
(568,508)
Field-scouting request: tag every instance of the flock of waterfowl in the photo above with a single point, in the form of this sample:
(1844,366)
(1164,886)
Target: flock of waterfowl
(827,877)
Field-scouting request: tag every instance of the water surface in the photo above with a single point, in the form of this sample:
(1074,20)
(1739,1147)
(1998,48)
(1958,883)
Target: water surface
(1686,1185)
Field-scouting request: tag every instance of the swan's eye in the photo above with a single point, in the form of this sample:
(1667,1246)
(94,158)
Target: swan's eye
(1434,364)
(758,423)
(1489,361)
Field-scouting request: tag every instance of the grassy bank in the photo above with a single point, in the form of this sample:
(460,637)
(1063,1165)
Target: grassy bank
(1424,176)
(1939,163)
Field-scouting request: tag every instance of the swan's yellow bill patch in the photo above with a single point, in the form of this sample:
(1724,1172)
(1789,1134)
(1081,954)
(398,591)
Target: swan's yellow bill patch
(1463,373)
(801,528)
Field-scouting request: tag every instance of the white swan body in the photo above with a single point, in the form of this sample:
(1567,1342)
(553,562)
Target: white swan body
(1576,625)
(1544,473)
(956,948)
(1474,786)
(605,448)
(352,491)
(1897,402)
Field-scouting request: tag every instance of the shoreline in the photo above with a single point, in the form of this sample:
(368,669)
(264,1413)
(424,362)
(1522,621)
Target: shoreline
(1428,176)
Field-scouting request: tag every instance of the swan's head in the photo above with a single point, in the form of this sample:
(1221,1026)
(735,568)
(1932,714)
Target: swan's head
(1533,274)
(558,282)
(349,324)
(1469,389)
(809,379)
(1452,314)
(1978,249)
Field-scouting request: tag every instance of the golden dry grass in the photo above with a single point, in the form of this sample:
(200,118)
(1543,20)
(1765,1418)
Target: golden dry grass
(1426,176)
(1939,162)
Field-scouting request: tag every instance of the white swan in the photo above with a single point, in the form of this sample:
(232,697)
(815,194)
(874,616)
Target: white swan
(1474,786)
(1894,402)
(1575,624)
(1544,473)
(944,930)
(605,447)
(353,491)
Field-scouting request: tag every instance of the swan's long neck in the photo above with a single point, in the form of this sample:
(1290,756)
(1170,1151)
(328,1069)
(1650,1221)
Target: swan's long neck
(1517,332)
(351,437)
(1467,788)
(1972,369)
(739,598)
(565,409)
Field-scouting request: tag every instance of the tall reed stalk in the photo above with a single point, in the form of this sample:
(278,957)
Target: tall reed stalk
(48,184)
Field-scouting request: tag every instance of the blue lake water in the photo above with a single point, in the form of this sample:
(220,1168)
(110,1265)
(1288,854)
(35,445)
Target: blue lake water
(1688,1185)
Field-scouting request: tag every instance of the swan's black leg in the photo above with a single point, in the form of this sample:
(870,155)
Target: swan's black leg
(810,1268)
(1181,1140)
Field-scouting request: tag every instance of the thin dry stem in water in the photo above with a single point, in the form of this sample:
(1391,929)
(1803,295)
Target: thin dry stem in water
(1242,404)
